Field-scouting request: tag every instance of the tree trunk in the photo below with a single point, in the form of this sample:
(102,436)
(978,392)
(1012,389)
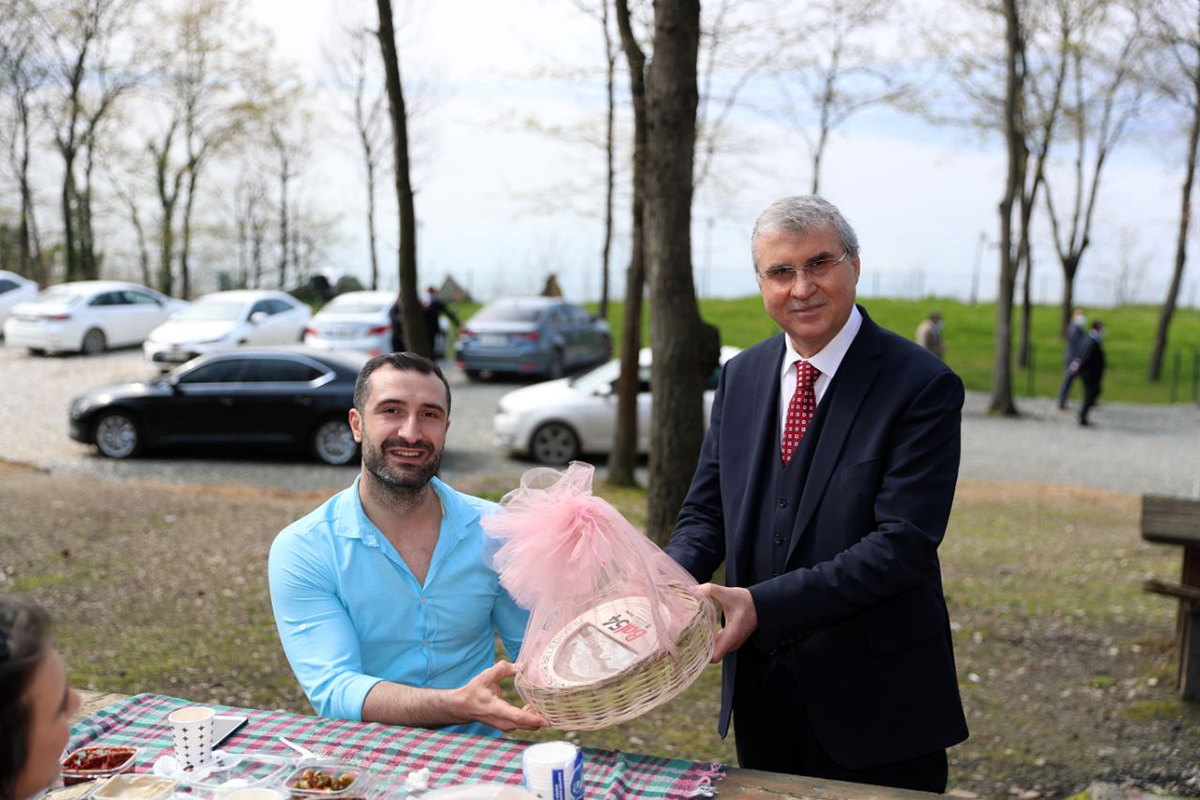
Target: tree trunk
(72,270)
(283,217)
(1026,258)
(89,262)
(1002,396)
(185,246)
(623,460)
(685,348)
(416,338)
(1069,267)
(611,173)
(1185,218)
(371,222)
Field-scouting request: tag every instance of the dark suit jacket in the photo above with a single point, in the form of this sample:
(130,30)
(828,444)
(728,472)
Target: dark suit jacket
(1091,361)
(858,617)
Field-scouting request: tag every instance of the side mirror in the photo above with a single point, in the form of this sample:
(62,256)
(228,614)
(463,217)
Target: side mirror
(257,317)
(605,390)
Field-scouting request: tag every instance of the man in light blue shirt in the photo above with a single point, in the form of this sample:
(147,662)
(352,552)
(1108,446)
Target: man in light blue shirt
(384,604)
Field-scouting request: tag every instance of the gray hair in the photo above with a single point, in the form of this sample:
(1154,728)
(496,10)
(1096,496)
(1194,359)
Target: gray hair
(800,214)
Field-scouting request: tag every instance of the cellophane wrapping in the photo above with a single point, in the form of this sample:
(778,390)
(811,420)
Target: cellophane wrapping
(601,595)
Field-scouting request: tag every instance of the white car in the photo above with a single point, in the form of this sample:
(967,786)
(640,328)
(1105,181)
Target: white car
(558,421)
(353,321)
(227,319)
(14,289)
(88,317)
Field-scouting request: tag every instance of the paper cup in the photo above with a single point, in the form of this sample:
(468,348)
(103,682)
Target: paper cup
(553,770)
(192,731)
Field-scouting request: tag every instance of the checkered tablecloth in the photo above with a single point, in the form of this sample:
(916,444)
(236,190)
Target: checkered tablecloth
(141,721)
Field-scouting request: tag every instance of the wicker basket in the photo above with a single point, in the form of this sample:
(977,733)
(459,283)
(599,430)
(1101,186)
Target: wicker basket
(633,691)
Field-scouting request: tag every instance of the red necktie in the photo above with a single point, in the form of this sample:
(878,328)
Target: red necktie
(800,409)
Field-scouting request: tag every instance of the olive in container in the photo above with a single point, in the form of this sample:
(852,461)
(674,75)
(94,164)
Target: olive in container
(324,779)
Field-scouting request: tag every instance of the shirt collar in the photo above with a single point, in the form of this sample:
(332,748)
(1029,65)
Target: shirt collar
(352,522)
(829,358)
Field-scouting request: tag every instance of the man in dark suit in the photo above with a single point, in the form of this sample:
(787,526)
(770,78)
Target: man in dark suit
(824,484)
(1090,368)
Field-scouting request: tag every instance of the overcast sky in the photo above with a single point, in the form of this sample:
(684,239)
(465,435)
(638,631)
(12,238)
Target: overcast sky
(501,205)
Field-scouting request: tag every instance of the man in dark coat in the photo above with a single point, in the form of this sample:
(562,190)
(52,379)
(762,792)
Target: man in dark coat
(1090,368)
(1076,333)
(824,485)
(432,310)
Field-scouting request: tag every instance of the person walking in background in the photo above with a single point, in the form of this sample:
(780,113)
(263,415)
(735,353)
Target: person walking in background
(1090,368)
(1076,332)
(397,321)
(929,335)
(432,308)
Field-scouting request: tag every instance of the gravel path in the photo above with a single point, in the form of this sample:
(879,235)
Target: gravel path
(1136,448)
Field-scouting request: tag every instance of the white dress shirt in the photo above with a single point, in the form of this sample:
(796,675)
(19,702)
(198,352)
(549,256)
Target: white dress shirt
(827,360)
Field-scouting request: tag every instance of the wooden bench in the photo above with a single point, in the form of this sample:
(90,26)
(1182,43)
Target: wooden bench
(1172,520)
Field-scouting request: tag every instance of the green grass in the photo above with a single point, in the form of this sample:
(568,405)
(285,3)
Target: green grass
(970,341)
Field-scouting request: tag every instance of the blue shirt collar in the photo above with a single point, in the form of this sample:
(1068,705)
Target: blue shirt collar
(458,514)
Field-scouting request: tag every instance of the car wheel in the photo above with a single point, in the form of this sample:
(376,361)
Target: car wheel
(554,443)
(333,442)
(117,435)
(94,341)
(36,351)
(472,374)
(555,370)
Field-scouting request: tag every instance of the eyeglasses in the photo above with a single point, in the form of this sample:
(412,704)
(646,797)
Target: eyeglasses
(783,276)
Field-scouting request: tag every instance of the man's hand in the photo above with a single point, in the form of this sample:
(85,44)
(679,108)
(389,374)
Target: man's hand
(741,619)
(480,700)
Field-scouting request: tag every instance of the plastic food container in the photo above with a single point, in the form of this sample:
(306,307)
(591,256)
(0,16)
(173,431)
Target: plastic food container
(135,787)
(326,779)
(236,771)
(90,763)
(77,791)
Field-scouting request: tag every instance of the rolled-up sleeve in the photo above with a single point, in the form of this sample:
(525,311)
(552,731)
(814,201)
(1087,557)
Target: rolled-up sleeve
(317,633)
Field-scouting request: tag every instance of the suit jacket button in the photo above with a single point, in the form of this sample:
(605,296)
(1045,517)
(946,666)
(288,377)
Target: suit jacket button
(778,540)
(783,502)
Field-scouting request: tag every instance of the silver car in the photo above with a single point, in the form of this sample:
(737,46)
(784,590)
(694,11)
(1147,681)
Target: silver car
(353,321)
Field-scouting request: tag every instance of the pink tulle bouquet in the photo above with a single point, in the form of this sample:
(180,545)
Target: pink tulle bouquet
(614,628)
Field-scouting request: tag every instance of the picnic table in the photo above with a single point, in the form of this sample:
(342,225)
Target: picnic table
(1173,520)
(140,721)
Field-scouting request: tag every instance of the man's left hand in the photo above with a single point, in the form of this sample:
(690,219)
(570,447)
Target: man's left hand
(741,619)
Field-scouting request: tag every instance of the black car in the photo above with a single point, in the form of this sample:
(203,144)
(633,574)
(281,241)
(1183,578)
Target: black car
(288,397)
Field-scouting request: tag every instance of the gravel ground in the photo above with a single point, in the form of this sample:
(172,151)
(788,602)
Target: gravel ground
(1135,448)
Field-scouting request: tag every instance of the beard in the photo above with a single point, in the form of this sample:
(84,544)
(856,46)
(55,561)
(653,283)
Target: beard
(404,480)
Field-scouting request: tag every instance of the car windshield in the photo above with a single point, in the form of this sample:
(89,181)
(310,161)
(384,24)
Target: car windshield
(601,375)
(355,307)
(507,311)
(58,296)
(212,311)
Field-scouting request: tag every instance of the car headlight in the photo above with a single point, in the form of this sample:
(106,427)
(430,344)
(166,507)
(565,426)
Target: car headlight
(80,406)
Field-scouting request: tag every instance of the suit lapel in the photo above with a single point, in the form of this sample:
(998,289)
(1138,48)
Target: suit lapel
(850,385)
(762,432)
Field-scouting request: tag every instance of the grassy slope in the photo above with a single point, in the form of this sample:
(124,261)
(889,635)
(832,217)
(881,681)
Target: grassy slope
(970,341)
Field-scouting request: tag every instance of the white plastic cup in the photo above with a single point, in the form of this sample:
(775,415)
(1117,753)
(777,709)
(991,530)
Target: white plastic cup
(553,770)
(192,731)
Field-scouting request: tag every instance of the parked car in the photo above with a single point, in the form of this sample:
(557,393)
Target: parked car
(353,321)
(14,289)
(227,319)
(559,421)
(283,397)
(531,335)
(88,317)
